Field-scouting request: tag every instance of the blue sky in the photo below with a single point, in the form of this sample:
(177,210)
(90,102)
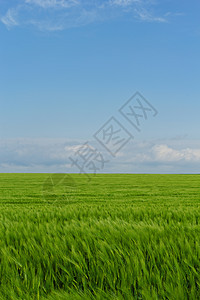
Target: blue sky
(68,66)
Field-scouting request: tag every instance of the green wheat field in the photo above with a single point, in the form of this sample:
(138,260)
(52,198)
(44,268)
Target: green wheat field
(115,237)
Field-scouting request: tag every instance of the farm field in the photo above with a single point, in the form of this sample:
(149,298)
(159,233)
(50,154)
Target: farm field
(119,236)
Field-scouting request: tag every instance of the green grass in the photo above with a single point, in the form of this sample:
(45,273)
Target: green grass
(116,237)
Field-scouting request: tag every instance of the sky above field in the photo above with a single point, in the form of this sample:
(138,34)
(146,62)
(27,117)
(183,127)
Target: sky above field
(68,66)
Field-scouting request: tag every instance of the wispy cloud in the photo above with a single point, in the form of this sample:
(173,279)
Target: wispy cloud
(146,16)
(46,25)
(174,14)
(124,3)
(55,15)
(53,3)
(10,18)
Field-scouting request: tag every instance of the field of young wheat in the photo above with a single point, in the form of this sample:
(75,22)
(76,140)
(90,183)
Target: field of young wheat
(114,237)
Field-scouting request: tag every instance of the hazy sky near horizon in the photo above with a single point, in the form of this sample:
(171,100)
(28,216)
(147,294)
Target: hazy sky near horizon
(67,66)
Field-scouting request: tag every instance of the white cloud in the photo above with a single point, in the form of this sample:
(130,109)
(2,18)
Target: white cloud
(168,154)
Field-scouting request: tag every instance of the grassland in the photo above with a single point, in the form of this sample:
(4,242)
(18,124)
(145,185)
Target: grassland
(116,237)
